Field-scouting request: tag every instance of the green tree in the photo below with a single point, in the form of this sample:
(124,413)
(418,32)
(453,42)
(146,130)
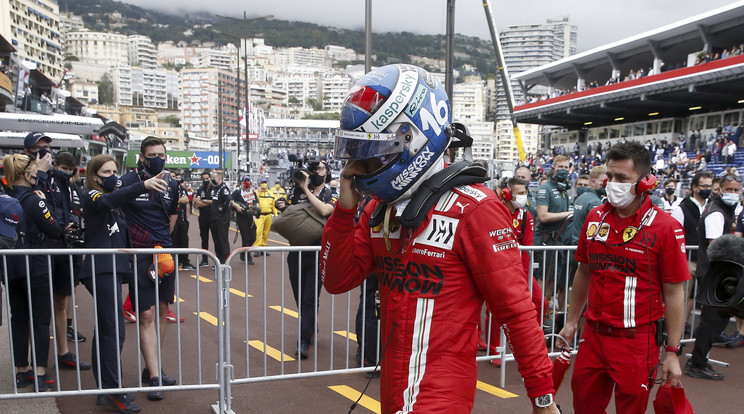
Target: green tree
(173,120)
(106,90)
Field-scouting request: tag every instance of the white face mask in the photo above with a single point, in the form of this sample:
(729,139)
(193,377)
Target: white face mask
(520,201)
(730,198)
(618,194)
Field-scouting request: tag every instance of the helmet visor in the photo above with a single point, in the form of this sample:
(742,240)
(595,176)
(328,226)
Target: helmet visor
(355,145)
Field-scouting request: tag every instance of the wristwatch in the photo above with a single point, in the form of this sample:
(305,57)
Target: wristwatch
(544,401)
(670,348)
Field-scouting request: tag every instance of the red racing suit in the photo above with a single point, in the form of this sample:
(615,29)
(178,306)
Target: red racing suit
(433,282)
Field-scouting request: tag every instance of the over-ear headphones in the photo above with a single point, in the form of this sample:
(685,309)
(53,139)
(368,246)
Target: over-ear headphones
(646,184)
(506,193)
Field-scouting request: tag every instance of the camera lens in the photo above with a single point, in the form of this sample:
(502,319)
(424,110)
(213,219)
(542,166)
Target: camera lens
(297,175)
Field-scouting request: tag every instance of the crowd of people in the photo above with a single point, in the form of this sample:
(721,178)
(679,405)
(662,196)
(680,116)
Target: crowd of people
(633,74)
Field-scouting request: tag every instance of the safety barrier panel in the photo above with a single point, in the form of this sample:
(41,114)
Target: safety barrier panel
(247,322)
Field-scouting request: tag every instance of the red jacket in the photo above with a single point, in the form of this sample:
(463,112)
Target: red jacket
(432,288)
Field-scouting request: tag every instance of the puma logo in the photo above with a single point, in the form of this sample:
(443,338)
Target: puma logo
(462,207)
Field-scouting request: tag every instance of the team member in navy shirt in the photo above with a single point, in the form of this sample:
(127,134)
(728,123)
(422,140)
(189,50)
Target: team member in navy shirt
(107,229)
(150,220)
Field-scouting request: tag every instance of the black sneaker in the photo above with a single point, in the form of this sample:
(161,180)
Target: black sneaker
(45,383)
(24,379)
(118,402)
(155,395)
(302,350)
(73,336)
(256,254)
(70,361)
(204,263)
(188,266)
(167,380)
(706,373)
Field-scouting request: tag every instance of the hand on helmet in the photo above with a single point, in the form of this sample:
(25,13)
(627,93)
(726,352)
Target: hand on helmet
(349,196)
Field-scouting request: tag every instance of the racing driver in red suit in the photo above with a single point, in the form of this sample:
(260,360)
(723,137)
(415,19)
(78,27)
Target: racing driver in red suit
(436,261)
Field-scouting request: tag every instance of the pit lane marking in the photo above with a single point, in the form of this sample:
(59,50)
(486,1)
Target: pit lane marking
(352,394)
(289,312)
(239,293)
(202,279)
(270,351)
(207,317)
(345,334)
(495,390)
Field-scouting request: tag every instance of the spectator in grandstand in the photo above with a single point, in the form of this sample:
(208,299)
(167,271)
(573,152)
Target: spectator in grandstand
(28,285)
(203,202)
(618,346)
(553,208)
(57,182)
(150,220)
(107,229)
(716,220)
(687,213)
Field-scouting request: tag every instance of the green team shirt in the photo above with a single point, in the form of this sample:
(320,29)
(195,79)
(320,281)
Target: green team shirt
(583,205)
(557,201)
(530,206)
(658,202)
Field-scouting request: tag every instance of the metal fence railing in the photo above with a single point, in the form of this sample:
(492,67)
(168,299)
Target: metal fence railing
(250,321)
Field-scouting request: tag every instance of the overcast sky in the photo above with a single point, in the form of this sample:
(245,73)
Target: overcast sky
(599,21)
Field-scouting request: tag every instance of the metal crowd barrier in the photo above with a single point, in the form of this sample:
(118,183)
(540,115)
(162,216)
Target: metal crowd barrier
(253,333)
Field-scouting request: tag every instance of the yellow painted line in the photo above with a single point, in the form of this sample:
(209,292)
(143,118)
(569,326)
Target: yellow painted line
(279,242)
(345,334)
(202,279)
(352,394)
(239,293)
(207,317)
(289,312)
(495,390)
(270,351)
(176,298)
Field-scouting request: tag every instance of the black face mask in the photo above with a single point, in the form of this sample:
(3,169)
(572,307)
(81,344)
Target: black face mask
(317,180)
(205,182)
(214,182)
(669,191)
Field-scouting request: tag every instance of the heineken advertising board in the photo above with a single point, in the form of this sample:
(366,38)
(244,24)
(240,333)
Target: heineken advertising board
(187,159)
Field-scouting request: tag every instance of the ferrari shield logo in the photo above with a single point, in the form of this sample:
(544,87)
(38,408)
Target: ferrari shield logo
(629,233)
(515,223)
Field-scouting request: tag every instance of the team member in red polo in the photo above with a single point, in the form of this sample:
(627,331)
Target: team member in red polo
(632,269)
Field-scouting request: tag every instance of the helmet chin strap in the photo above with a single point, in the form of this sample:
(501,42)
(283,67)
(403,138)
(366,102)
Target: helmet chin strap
(460,138)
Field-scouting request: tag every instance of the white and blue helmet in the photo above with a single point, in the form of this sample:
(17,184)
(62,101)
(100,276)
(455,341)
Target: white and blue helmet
(400,115)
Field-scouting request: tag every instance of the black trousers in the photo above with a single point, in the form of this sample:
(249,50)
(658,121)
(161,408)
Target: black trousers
(712,323)
(303,275)
(366,321)
(21,321)
(220,228)
(107,295)
(247,232)
(180,238)
(204,226)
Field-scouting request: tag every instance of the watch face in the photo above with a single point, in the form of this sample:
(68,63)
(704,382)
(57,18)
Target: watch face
(544,400)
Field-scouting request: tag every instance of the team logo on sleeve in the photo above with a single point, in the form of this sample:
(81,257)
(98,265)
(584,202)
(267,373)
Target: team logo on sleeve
(440,232)
(592,229)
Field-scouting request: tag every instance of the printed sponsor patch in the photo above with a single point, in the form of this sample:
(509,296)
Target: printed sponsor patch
(499,247)
(591,229)
(440,232)
(471,192)
(416,101)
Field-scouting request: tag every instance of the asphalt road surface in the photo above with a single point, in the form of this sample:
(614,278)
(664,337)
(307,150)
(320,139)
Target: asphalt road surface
(258,319)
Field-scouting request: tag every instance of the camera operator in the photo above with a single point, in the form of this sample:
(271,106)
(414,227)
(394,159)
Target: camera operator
(57,183)
(219,223)
(309,187)
(203,202)
(263,223)
(245,204)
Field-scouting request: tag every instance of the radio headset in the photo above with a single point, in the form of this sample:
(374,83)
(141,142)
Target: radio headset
(644,186)
(506,192)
